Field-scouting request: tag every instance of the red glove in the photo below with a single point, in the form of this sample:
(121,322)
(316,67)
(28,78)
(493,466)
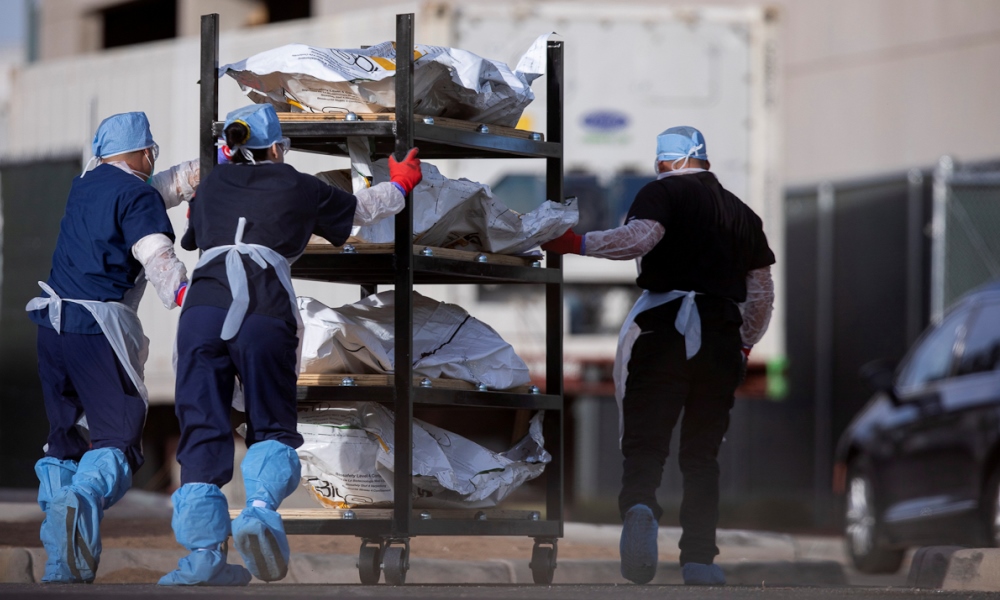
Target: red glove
(407,173)
(179,296)
(567,243)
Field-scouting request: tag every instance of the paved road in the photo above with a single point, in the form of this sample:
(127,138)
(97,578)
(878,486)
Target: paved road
(481,592)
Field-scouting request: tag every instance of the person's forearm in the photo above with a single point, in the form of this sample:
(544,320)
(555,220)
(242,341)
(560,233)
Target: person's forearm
(632,240)
(758,305)
(178,183)
(167,274)
(378,202)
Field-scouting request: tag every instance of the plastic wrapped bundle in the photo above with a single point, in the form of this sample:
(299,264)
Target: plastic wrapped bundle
(448,82)
(447,342)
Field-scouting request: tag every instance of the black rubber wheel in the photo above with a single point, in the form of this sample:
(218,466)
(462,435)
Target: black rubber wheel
(395,563)
(863,528)
(543,564)
(369,565)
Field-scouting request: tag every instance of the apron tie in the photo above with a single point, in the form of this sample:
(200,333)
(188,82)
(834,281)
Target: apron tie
(53,303)
(237,277)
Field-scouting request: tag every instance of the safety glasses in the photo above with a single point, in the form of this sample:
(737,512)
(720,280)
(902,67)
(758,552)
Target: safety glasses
(286,145)
(155,151)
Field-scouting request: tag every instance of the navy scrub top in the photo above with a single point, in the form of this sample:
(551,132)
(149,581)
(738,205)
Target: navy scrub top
(283,208)
(107,212)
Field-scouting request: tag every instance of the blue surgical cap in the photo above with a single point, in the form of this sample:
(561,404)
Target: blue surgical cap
(262,122)
(121,133)
(681,142)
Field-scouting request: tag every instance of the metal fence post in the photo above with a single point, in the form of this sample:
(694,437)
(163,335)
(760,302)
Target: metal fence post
(824,350)
(942,177)
(914,255)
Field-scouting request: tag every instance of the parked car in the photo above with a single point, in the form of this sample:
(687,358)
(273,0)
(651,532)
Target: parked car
(920,464)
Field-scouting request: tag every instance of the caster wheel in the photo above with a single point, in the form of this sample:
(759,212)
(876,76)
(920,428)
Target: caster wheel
(395,563)
(543,564)
(369,565)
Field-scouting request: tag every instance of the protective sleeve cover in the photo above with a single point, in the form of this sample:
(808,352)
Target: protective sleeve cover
(178,183)
(632,240)
(757,308)
(156,254)
(377,202)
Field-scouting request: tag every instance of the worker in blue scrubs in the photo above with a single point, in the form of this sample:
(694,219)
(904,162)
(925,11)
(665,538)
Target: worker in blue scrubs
(252,219)
(114,237)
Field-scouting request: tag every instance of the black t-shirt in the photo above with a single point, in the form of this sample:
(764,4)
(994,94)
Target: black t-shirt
(712,239)
(283,208)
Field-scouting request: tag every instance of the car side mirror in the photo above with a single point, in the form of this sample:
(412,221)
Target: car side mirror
(881,375)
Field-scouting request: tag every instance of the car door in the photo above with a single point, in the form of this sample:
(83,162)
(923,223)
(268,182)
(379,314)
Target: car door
(954,428)
(918,441)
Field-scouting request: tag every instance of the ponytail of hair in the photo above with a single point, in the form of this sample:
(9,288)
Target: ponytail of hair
(237,134)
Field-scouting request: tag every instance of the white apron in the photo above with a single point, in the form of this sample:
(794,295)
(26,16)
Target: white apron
(238,286)
(120,325)
(688,324)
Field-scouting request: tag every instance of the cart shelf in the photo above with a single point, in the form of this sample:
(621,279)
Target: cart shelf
(371,522)
(376,264)
(451,392)
(437,137)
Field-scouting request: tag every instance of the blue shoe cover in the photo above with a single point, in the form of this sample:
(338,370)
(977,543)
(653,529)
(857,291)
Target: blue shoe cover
(699,574)
(102,478)
(259,536)
(271,472)
(638,548)
(53,476)
(201,524)
(206,567)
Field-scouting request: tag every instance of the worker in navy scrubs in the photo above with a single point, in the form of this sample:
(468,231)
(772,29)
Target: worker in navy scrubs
(705,268)
(252,219)
(114,237)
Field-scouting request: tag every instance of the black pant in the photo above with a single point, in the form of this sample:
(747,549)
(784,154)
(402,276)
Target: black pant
(661,382)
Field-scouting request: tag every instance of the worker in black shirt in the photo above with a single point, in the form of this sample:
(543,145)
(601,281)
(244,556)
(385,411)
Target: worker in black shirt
(704,265)
(251,219)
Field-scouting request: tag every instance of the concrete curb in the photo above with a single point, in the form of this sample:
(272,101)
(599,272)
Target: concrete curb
(26,565)
(929,566)
(973,569)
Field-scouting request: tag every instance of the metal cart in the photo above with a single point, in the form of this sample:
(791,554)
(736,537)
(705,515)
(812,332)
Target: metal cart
(385,533)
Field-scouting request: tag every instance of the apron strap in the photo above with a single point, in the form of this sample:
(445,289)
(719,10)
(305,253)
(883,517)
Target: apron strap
(237,277)
(53,303)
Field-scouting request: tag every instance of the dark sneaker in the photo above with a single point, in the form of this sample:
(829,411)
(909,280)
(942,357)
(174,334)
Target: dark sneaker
(699,574)
(638,545)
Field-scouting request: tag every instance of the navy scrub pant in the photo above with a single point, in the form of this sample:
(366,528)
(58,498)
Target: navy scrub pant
(661,383)
(80,374)
(263,355)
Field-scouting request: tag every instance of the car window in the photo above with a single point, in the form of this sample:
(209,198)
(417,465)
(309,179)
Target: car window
(932,358)
(982,341)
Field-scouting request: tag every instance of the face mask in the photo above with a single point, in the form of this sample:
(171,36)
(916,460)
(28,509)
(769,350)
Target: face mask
(146,177)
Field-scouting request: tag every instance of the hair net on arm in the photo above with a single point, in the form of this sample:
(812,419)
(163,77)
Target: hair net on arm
(156,254)
(378,202)
(632,240)
(758,305)
(178,183)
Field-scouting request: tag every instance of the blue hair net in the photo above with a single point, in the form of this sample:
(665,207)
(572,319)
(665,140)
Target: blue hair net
(262,122)
(121,133)
(678,143)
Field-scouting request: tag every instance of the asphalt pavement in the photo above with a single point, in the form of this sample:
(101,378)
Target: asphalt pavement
(485,592)
(781,565)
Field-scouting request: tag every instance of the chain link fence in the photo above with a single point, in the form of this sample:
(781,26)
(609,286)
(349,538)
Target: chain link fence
(966,244)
